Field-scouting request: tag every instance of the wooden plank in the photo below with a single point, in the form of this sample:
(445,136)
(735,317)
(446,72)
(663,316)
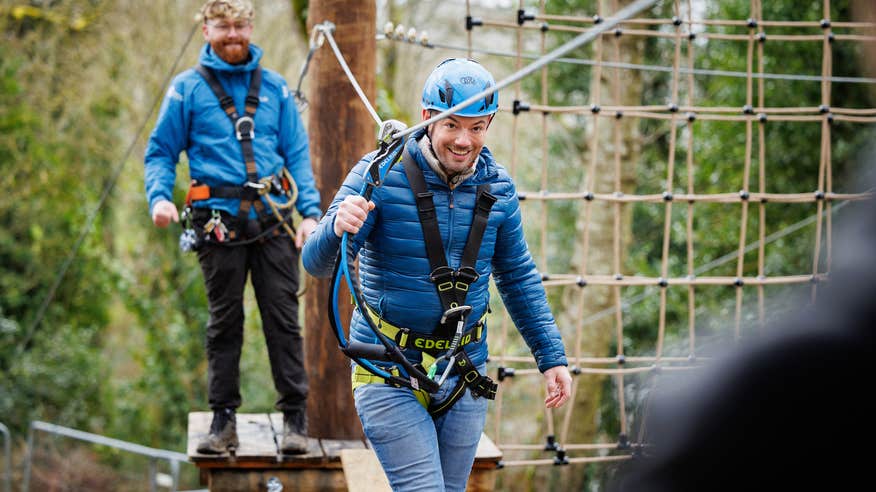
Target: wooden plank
(256,435)
(198,428)
(314,454)
(363,472)
(487,454)
(481,480)
(260,435)
(333,447)
(327,465)
(253,431)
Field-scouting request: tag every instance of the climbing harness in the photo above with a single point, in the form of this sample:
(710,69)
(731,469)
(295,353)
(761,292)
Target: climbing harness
(390,147)
(452,286)
(244,230)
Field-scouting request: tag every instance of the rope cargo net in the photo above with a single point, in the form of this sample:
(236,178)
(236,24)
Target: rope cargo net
(680,113)
(550,443)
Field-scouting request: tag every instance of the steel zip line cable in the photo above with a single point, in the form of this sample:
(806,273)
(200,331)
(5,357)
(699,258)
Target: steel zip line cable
(577,41)
(644,67)
(327,27)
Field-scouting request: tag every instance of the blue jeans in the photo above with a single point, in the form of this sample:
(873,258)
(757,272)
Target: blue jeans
(418,452)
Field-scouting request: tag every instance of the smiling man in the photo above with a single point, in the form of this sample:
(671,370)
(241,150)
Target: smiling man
(246,146)
(441,224)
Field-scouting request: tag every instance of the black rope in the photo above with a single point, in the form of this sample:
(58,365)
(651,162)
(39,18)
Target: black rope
(89,223)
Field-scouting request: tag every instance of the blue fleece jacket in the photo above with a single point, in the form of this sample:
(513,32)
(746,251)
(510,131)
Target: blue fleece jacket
(191,119)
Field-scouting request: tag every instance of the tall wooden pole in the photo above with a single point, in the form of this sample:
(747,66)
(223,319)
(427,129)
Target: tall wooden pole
(341,131)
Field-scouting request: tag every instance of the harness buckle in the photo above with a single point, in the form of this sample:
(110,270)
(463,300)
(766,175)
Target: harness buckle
(244,128)
(458,311)
(401,337)
(474,376)
(442,275)
(468,275)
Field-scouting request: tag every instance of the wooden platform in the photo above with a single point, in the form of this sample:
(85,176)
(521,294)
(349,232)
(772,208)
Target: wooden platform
(258,460)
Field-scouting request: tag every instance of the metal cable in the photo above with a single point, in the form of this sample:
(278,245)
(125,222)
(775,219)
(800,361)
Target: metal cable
(576,42)
(326,29)
(645,67)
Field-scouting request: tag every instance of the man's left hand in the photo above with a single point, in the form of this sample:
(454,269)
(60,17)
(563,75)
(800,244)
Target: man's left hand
(558,382)
(305,229)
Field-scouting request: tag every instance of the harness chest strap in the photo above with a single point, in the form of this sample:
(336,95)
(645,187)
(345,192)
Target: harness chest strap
(244,130)
(452,285)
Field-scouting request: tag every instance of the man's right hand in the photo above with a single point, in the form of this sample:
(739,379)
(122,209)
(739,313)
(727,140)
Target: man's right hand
(163,212)
(352,213)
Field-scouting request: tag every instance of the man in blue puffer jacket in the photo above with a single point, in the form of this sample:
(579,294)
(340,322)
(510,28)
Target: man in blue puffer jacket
(243,166)
(428,442)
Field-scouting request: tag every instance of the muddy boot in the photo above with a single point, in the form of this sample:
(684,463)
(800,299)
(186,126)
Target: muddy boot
(223,433)
(294,430)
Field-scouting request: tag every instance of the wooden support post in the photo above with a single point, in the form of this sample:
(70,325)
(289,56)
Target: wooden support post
(341,131)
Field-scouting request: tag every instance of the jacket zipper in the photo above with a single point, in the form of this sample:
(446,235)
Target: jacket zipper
(449,225)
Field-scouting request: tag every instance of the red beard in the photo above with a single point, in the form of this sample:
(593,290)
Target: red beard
(233,52)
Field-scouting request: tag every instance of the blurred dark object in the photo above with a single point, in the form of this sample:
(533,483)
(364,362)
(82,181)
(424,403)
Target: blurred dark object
(789,411)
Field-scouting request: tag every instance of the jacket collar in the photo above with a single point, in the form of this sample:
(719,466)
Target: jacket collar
(484,170)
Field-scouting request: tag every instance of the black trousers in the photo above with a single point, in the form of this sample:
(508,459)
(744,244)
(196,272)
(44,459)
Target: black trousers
(273,266)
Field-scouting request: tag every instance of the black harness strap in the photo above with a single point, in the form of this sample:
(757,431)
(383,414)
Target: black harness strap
(478,384)
(452,285)
(244,130)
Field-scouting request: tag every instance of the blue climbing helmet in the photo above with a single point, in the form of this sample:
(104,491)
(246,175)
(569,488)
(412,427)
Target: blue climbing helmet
(456,79)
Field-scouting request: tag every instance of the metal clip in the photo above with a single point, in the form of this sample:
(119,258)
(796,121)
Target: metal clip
(389,129)
(244,127)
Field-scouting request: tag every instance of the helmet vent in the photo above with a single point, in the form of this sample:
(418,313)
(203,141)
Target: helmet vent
(448,94)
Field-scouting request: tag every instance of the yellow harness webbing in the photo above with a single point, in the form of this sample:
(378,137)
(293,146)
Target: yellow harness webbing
(408,339)
(427,344)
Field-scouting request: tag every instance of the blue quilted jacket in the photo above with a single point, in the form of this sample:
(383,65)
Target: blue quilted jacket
(192,120)
(394,269)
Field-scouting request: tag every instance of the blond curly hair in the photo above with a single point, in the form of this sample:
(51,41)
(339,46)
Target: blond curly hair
(226,9)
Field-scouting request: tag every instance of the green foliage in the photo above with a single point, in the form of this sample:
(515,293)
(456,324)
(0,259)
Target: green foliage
(299,8)
(53,168)
(63,115)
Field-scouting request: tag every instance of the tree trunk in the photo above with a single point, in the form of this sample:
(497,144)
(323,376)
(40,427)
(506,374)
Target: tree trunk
(341,131)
